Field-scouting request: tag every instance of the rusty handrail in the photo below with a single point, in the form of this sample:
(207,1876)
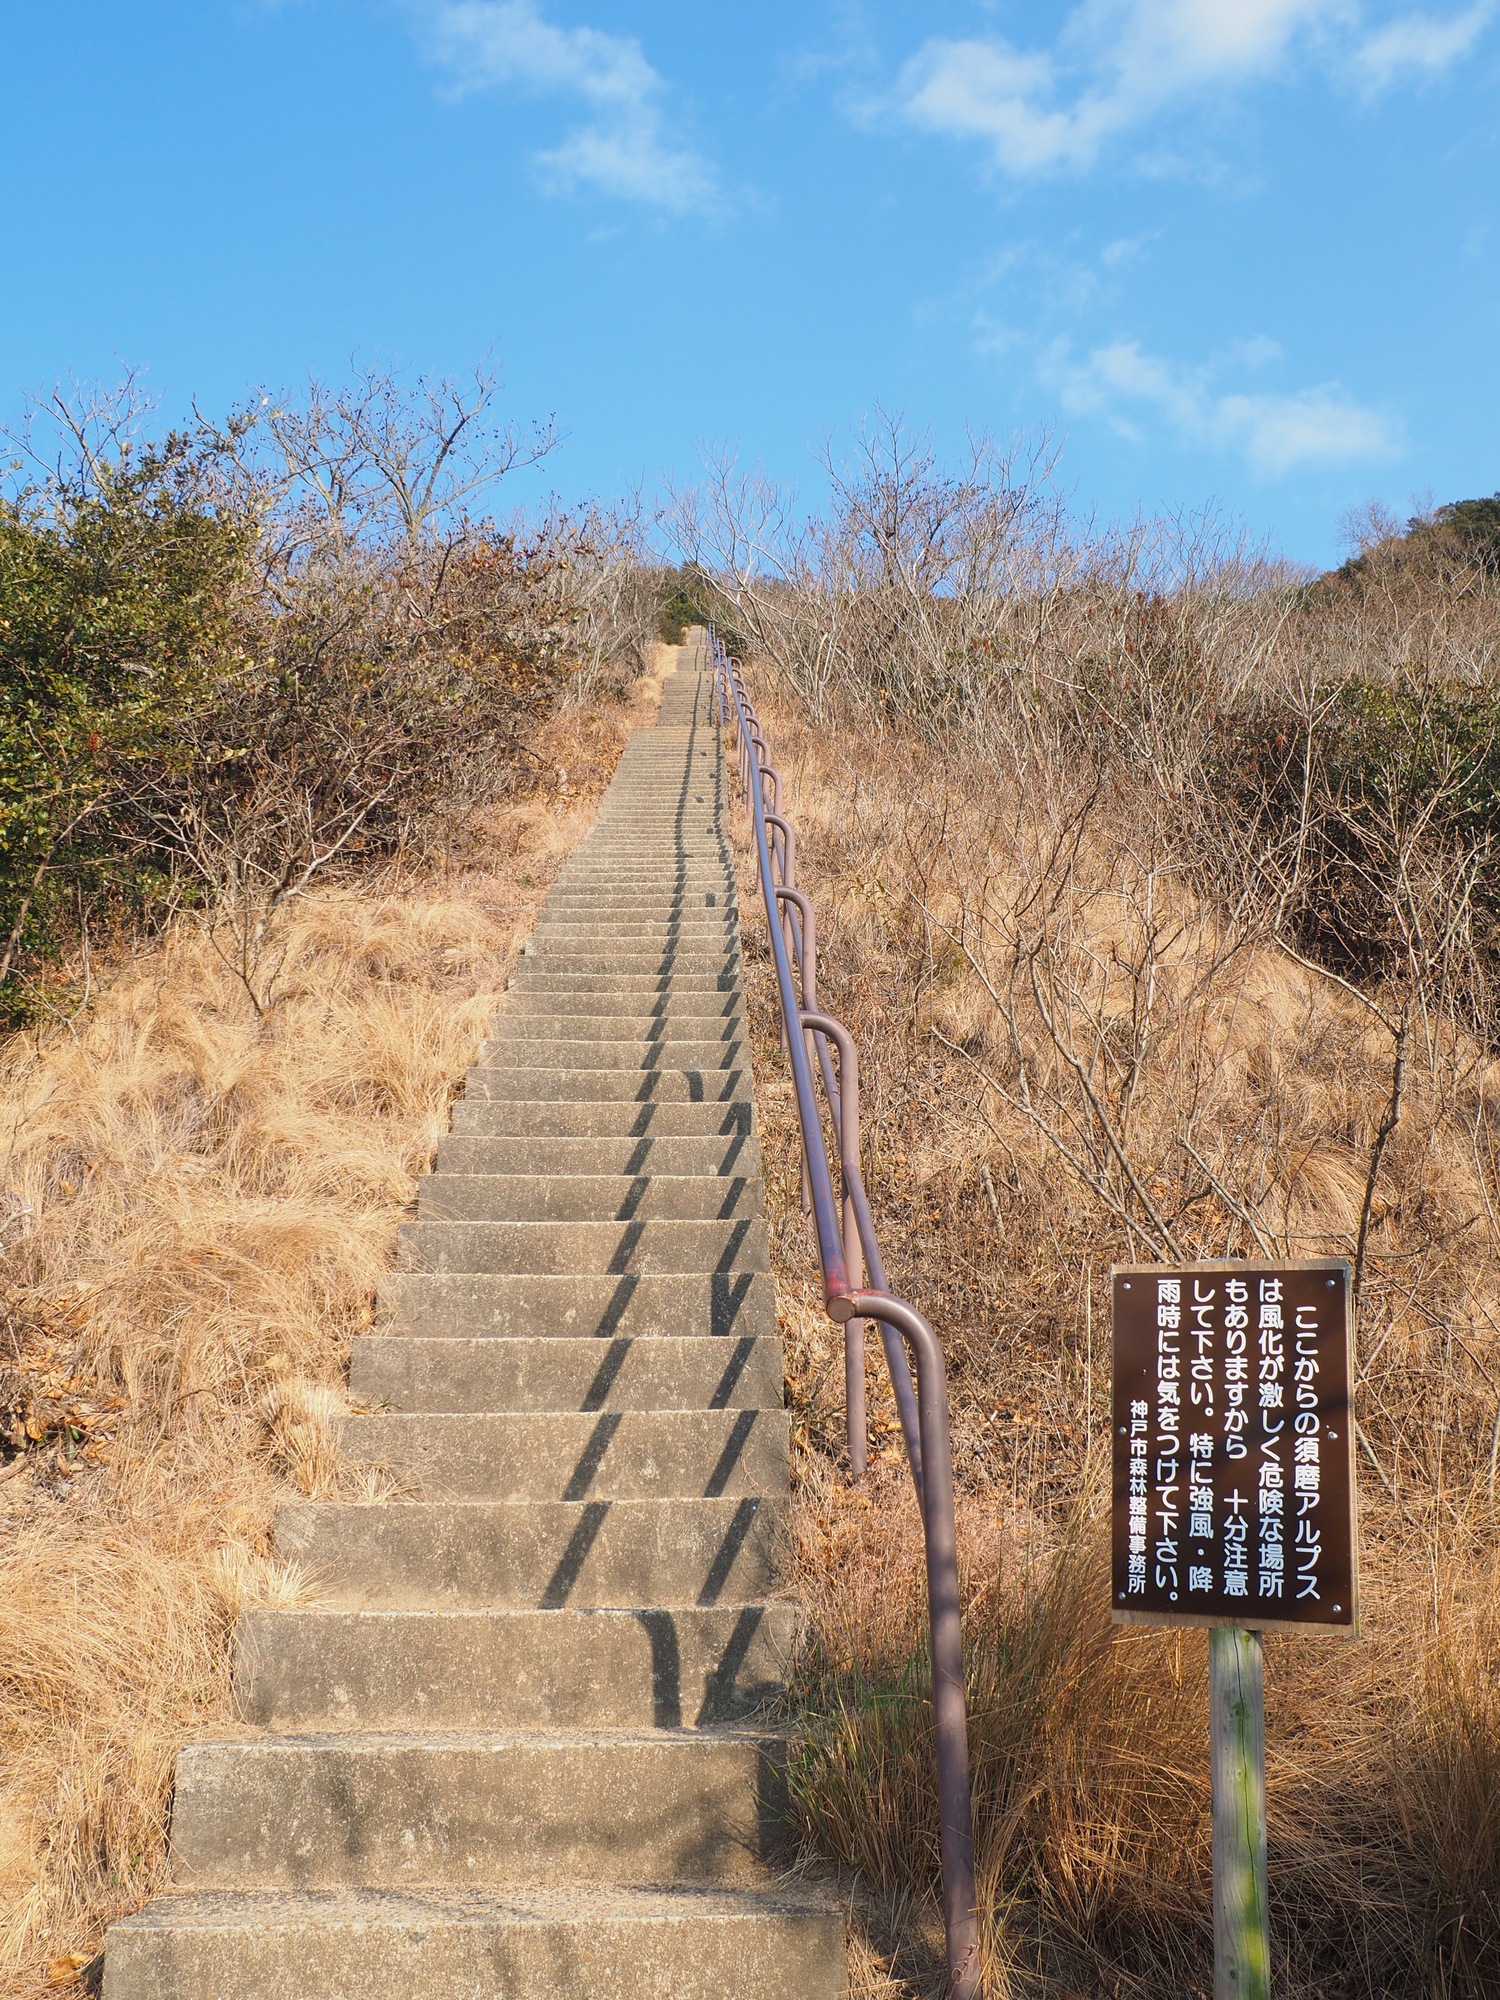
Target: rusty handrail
(848,1248)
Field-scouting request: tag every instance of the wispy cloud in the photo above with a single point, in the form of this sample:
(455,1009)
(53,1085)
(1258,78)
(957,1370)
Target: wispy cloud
(1273,433)
(1117,63)
(623,148)
(1416,44)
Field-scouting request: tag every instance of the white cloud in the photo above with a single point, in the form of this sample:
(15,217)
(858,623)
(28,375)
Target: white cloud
(623,150)
(1116,63)
(984,90)
(1418,43)
(1274,433)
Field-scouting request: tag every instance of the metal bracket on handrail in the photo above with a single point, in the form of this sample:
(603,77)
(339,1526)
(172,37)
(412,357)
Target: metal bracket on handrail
(848,1249)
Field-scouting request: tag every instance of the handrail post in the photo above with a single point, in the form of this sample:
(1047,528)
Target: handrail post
(949,1711)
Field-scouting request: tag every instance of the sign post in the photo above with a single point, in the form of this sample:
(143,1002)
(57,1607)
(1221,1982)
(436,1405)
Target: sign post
(1233,1508)
(1237,1756)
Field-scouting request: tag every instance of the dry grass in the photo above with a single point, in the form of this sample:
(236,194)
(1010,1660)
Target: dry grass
(197,1207)
(1090,1746)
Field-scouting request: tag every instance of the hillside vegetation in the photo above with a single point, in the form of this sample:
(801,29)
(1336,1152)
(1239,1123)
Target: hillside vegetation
(1157,880)
(1158,887)
(201,1196)
(291,745)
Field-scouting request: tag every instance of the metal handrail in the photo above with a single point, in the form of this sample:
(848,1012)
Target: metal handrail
(848,1250)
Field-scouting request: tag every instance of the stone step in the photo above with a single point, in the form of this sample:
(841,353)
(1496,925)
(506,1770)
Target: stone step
(446,1555)
(702,929)
(587,1248)
(593,1052)
(666,963)
(651,895)
(654,860)
(664,833)
(656,913)
(685,1668)
(646,907)
(468,1372)
(584,1942)
(645,1034)
(676,878)
(611,890)
(533,977)
(550,1084)
(723,1156)
(480,1197)
(601,1118)
(693,953)
(696,1017)
(711,859)
(485,1305)
(325,1810)
(576,1454)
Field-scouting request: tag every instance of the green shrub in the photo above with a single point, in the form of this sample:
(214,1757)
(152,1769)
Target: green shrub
(688,600)
(237,657)
(117,609)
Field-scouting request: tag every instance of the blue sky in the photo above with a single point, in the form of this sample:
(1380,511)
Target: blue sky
(1243,251)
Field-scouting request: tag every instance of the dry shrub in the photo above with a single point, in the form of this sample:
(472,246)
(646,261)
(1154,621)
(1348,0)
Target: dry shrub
(199,1200)
(1073,1055)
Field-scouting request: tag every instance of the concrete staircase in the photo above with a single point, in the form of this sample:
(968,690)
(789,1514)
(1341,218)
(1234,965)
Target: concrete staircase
(518,1749)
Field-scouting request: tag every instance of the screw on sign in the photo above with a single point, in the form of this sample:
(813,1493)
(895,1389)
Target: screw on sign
(1233,1508)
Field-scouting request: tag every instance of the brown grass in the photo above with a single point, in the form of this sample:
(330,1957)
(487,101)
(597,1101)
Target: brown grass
(1090,1745)
(197,1207)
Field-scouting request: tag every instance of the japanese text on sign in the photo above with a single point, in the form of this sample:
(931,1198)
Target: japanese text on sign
(1232,1476)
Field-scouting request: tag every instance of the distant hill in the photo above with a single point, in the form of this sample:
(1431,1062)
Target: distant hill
(1462,536)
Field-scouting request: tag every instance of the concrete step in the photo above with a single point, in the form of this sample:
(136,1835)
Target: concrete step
(577,1454)
(631,955)
(469,1372)
(584,1942)
(489,1306)
(659,909)
(665,851)
(446,1555)
(575,1249)
(533,976)
(684,1668)
(468,1809)
(669,963)
(647,906)
(478,1197)
(654,859)
(601,877)
(601,1118)
(649,901)
(654,896)
(657,998)
(704,932)
(696,1017)
(551,1084)
(663,833)
(725,1156)
(593,1052)
(610,891)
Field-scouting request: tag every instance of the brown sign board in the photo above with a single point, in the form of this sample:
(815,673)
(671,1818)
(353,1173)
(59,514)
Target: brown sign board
(1233,1486)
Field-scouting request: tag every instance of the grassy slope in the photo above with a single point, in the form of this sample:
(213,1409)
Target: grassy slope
(197,1207)
(1090,1745)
